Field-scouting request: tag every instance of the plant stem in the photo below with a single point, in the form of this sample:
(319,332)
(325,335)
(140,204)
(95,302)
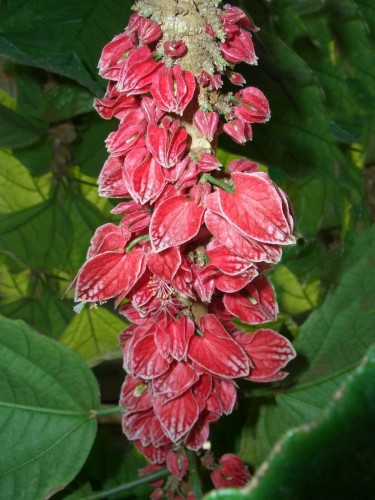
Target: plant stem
(107,411)
(136,241)
(160,474)
(194,476)
(208,178)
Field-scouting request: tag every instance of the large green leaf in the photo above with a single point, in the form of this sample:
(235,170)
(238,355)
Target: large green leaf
(15,130)
(93,334)
(39,236)
(64,37)
(65,101)
(331,457)
(46,428)
(330,345)
(18,189)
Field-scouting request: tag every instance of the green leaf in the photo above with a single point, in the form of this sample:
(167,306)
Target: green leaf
(61,37)
(15,130)
(18,190)
(65,101)
(47,314)
(90,152)
(39,236)
(93,334)
(46,427)
(337,448)
(294,297)
(329,346)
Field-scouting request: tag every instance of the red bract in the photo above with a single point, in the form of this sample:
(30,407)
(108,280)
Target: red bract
(175,221)
(239,48)
(173,89)
(167,143)
(108,274)
(137,72)
(253,107)
(255,304)
(216,352)
(207,124)
(175,48)
(114,54)
(238,130)
(269,353)
(111,183)
(256,209)
(231,472)
(148,31)
(143,176)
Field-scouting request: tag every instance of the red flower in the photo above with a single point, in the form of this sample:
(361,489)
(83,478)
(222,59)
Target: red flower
(173,89)
(231,472)
(175,48)
(239,48)
(137,72)
(167,143)
(254,107)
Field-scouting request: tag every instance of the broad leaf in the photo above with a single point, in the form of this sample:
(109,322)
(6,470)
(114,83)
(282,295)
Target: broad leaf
(65,101)
(76,33)
(18,190)
(16,131)
(93,334)
(329,347)
(44,228)
(47,393)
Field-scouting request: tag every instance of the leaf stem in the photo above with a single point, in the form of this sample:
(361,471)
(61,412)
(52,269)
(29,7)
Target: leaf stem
(209,178)
(107,411)
(160,474)
(194,476)
(136,241)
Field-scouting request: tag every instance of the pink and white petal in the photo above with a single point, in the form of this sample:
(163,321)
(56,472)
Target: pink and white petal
(216,351)
(174,222)
(108,274)
(178,415)
(256,209)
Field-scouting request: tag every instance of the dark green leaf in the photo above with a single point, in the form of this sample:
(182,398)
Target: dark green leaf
(46,428)
(39,237)
(65,101)
(65,38)
(93,334)
(337,449)
(16,131)
(90,152)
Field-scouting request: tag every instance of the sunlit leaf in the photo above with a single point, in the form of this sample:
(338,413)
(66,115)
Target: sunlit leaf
(93,334)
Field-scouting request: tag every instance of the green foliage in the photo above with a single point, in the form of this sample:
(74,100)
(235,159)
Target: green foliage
(46,427)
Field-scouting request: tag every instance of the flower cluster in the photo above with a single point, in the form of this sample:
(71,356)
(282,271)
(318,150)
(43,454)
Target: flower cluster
(194,240)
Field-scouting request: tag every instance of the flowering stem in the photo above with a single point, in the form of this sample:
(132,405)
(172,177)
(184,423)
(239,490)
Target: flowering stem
(194,476)
(107,411)
(136,241)
(208,178)
(160,474)
(234,99)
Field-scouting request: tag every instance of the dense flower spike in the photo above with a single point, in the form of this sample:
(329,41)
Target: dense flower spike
(193,241)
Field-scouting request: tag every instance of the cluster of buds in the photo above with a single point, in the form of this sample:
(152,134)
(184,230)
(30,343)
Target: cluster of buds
(194,240)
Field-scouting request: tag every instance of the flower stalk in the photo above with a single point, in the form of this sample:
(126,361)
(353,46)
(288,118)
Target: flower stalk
(193,242)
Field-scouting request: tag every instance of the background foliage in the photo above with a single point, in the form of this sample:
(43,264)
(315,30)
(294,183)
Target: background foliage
(317,67)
